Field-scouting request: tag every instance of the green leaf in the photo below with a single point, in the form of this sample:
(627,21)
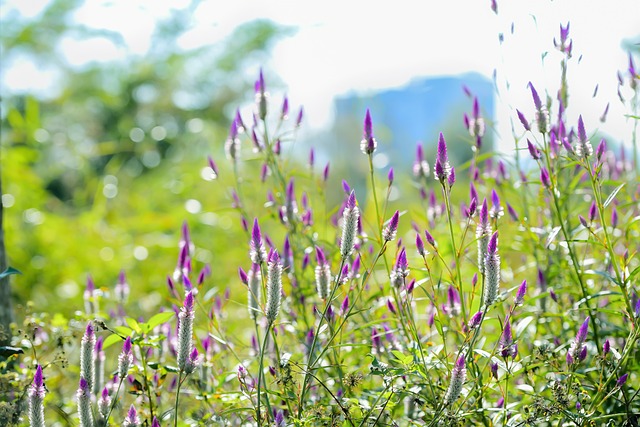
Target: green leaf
(111,340)
(160,318)
(133,324)
(172,369)
(613,194)
(8,272)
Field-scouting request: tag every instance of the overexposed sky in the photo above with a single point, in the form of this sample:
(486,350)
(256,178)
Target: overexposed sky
(354,45)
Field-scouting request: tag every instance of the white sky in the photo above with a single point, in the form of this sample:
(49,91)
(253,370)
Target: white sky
(355,45)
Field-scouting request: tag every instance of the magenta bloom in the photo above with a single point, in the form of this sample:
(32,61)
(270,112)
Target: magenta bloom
(368,144)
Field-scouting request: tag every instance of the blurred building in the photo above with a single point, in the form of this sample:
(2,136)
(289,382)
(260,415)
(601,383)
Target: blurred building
(415,112)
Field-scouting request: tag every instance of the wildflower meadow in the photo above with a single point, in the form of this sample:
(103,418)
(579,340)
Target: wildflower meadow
(502,291)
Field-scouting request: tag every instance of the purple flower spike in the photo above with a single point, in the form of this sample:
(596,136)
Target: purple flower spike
(458,375)
(344,307)
(475,320)
(492,247)
(325,172)
(243,276)
(390,176)
(602,146)
(390,231)
(368,144)
(258,252)
(213,167)
(583,147)
(429,238)
(420,246)
(593,211)
(622,380)
(322,260)
(523,120)
(189,301)
(452,177)
(401,262)
(351,201)
(522,290)
(300,117)
(155,422)
(285,109)
(512,212)
(507,347)
(584,329)
(606,347)
(536,99)
(535,153)
(391,306)
(473,206)
(132,417)
(442,168)
(544,177)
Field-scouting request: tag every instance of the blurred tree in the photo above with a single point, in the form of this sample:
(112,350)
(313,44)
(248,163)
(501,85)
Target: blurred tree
(124,122)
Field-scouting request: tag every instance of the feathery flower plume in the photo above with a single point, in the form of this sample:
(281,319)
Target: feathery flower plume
(36,399)
(185,330)
(458,375)
(132,419)
(400,271)
(578,351)
(492,270)
(104,403)
(90,297)
(253,281)
(368,144)
(257,253)
(122,288)
(476,124)
(290,208)
(87,346)
(542,115)
(442,168)
(420,166)
(84,403)
(350,217)
(274,286)
(232,144)
(390,231)
(483,231)
(323,275)
(583,146)
(98,367)
(125,359)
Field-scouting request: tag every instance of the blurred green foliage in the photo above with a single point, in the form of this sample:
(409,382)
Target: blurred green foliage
(102,169)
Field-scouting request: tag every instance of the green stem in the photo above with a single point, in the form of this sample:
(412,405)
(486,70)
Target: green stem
(175,409)
(447,202)
(262,351)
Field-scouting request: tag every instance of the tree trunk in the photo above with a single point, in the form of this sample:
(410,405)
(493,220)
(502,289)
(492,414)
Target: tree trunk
(6,311)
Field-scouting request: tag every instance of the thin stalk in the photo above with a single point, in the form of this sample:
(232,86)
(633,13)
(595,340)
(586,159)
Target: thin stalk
(447,202)
(310,362)
(146,381)
(607,238)
(175,409)
(113,402)
(264,349)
